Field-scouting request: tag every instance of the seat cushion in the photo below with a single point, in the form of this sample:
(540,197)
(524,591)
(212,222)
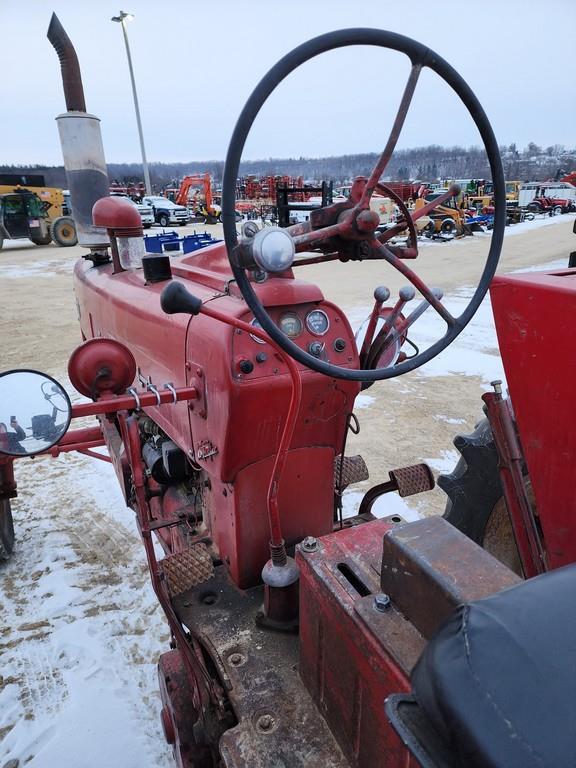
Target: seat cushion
(498,679)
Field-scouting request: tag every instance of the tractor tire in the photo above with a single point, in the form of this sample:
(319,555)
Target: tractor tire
(163,221)
(476,504)
(6,529)
(534,208)
(64,231)
(557,210)
(448,226)
(46,240)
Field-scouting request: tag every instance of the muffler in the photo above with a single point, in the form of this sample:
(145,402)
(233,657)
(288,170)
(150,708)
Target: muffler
(81,142)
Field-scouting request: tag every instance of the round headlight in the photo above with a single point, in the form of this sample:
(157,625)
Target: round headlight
(273,249)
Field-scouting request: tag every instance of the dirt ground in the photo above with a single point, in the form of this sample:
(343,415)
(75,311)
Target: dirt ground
(410,418)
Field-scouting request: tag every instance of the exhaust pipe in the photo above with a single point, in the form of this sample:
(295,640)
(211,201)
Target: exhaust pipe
(71,77)
(81,142)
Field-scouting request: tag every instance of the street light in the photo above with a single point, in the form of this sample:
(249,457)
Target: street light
(122,18)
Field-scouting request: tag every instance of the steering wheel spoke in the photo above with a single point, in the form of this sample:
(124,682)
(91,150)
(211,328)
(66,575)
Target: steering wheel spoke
(384,158)
(385,253)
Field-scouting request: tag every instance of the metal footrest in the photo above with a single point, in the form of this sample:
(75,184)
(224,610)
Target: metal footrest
(187,569)
(416,478)
(354,470)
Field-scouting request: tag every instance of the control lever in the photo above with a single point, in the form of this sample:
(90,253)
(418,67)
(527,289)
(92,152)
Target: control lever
(177,298)
(374,350)
(381,294)
(411,319)
(405,295)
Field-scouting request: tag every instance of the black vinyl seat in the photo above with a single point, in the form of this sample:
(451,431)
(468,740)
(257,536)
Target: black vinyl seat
(496,685)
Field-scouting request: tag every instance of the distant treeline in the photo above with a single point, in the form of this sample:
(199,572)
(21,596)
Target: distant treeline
(533,163)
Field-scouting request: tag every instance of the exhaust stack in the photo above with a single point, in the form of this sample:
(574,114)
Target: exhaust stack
(81,142)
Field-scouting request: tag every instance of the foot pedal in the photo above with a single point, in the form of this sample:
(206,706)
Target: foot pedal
(354,470)
(416,478)
(187,569)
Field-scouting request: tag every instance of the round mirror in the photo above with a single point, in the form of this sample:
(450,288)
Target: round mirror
(35,412)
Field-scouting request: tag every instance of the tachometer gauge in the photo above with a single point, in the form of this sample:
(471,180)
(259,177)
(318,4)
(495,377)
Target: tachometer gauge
(317,322)
(256,324)
(290,324)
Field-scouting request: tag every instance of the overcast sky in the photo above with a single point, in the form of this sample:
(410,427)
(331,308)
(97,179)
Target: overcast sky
(197,62)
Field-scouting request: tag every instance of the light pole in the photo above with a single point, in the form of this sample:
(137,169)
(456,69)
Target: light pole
(122,18)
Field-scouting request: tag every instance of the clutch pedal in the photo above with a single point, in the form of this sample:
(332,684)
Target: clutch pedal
(354,470)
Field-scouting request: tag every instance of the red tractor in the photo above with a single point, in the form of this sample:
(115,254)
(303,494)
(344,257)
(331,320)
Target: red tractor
(554,206)
(224,388)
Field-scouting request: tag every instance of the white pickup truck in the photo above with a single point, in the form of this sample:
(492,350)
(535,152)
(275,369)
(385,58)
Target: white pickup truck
(146,211)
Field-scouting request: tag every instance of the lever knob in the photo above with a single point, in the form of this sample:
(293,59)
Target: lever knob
(177,298)
(407,292)
(381,294)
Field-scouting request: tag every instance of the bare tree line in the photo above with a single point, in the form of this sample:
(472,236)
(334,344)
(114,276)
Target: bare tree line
(533,163)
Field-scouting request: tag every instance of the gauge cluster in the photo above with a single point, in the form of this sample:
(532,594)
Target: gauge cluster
(322,332)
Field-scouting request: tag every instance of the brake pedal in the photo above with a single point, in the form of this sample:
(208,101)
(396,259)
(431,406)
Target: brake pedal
(408,481)
(416,478)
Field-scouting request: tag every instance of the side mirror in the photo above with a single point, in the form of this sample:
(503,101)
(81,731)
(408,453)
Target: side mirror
(35,412)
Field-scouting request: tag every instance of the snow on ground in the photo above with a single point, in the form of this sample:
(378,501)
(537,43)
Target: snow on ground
(513,229)
(82,629)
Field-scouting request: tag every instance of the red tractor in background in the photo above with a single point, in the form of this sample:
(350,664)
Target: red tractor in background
(224,388)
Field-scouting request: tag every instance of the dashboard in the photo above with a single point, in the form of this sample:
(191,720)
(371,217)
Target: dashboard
(319,329)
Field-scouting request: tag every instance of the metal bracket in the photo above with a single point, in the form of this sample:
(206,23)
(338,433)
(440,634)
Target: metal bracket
(197,379)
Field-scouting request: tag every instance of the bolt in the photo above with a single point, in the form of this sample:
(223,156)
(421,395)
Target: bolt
(235,659)
(309,544)
(497,386)
(381,602)
(265,723)
(199,372)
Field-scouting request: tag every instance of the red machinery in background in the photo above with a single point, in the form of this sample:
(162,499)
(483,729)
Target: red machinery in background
(263,188)
(224,388)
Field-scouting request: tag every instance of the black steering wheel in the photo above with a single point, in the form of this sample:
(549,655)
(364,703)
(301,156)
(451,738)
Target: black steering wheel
(348,230)
(50,390)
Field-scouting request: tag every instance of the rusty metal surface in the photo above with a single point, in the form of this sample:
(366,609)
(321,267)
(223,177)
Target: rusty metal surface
(511,467)
(188,568)
(179,715)
(71,77)
(429,567)
(353,656)
(416,478)
(278,723)
(354,470)
(397,635)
